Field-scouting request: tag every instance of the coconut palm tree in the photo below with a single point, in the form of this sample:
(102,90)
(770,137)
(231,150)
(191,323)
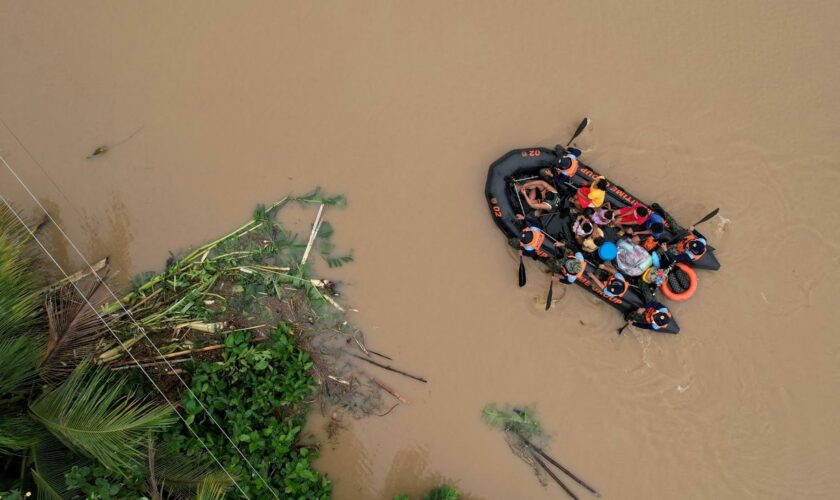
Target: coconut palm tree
(58,410)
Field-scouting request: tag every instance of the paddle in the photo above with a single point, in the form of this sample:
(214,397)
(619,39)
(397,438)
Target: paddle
(583,124)
(550,294)
(622,328)
(708,216)
(522,278)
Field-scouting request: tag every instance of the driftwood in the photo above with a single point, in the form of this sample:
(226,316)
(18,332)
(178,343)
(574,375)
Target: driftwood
(162,357)
(380,355)
(150,364)
(315,228)
(73,278)
(553,475)
(389,368)
(386,388)
(535,448)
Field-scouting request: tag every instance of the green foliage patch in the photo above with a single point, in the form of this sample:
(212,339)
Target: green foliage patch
(260,392)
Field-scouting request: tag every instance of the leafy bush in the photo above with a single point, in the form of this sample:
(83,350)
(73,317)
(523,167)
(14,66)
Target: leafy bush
(258,394)
(444,492)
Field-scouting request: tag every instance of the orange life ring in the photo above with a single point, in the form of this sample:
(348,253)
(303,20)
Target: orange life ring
(692,287)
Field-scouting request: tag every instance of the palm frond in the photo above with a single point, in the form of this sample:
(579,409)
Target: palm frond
(17,431)
(19,300)
(52,461)
(18,364)
(75,329)
(45,489)
(211,488)
(92,413)
(181,474)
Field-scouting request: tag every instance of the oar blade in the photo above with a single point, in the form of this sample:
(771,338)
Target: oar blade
(522,278)
(583,124)
(550,295)
(707,217)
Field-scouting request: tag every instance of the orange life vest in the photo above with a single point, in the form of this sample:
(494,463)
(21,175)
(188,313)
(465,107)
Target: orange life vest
(571,256)
(537,239)
(651,312)
(612,279)
(682,246)
(571,170)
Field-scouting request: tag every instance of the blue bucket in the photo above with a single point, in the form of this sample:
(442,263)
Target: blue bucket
(607,251)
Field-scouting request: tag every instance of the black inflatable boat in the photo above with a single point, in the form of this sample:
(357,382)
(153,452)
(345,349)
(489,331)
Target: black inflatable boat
(521,165)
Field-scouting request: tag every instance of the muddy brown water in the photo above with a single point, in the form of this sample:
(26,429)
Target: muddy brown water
(402,106)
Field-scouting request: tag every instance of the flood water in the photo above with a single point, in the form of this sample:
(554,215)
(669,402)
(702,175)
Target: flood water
(210,108)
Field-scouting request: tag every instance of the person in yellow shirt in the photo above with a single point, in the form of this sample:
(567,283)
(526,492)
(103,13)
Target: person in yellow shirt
(592,195)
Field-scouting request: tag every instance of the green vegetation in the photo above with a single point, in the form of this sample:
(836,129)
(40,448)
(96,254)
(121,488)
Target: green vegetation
(73,426)
(260,392)
(444,492)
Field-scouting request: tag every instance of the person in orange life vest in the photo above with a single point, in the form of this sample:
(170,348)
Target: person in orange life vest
(592,195)
(651,316)
(634,215)
(532,239)
(573,267)
(540,195)
(615,285)
(567,163)
(690,248)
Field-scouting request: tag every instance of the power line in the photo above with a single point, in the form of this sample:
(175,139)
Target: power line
(117,338)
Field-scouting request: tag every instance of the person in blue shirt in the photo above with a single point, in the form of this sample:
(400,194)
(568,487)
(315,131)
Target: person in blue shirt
(615,285)
(651,316)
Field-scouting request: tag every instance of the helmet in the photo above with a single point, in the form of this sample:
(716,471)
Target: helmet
(564,163)
(661,319)
(615,287)
(697,247)
(573,266)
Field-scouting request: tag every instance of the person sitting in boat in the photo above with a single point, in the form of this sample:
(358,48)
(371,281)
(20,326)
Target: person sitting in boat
(690,248)
(582,227)
(588,235)
(615,285)
(634,215)
(603,216)
(573,267)
(533,240)
(651,232)
(567,164)
(592,195)
(651,316)
(653,226)
(540,195)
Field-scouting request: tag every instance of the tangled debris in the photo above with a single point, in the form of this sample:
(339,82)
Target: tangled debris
(526,439)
